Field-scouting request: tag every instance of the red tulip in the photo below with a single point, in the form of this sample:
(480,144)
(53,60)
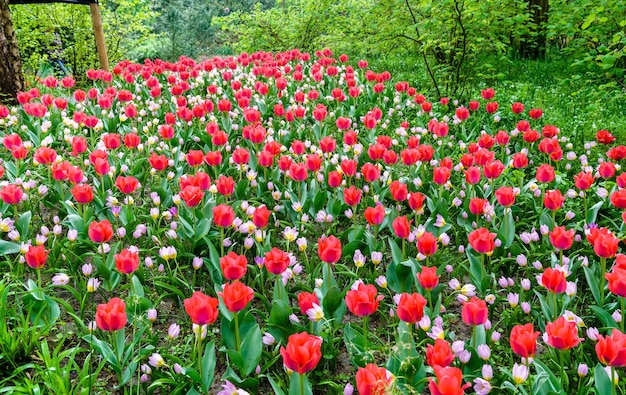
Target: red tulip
(517,108)
(474,311)
(329,249)
(505,196)
(261,216)
(605,244)
(306,301)
(112,315)
(364,300)
(375,215)
(398,191)
(441,175)
(477,206)
(11,194)
(202,309)
(402,227)
(482,240)
(298,172)
(554,280)
(370,172)
(618,199)
(192,195)
(225,185)
(126,261)
(334,179)
(427,244)
(372,380)
(535,113)
(561,238)
(416,201)
(473,175)
(352,196)
(617,281)
(562,334)
(449,382)
(606,170)
(523,340)
(545,173)
(223,215)
(233,266)
(276,261)
(611,350)
(36,256)
(553,199)
(428,278)
(411,307)
(303,352)
(82,193)
(493,169)
(604,137)
(236,296)
(100,232)
(158,162)
(439,354)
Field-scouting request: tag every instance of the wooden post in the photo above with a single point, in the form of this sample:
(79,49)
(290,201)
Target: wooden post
(96,20)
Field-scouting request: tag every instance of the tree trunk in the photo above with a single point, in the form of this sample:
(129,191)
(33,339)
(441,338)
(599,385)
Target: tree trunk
(533,45)
(11,78)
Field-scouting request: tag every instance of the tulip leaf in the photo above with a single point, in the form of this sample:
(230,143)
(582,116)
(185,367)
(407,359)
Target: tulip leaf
(275,387)
(406,364)
(399,277)
(251,350)
(545,381)
(8,248)
(477,272)
(507,229)
(294,385)
(604,317)
(137,289)
(592,212)
(602,381)
(208,366)
(105,350)
(396,253)
(592,281)
(22,224)
(278,323)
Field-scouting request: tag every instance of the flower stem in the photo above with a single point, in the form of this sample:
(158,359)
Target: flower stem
(602,272)
(237,338)
(301,383)
(365,322)
(623,302)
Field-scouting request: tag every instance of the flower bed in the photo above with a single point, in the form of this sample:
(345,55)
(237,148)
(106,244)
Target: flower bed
(288,223)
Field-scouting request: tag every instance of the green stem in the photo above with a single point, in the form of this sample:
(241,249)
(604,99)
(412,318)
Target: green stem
(602,272)
(365,322)
(39,278)
(237,338)
(613,389)
(221,241)
(301,383)
(623,303)
(354,217)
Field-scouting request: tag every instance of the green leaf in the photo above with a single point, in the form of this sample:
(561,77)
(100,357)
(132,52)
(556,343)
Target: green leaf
(602,381)
(8,248)
(606,318)
(251,350)
(23,223)
(208,365)
(592,213)
(507,229)
(294,385)
(594,286)
(477,273)
(545,382)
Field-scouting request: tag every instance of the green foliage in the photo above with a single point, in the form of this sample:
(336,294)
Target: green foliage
(49,32)
(594,34)
(304,24)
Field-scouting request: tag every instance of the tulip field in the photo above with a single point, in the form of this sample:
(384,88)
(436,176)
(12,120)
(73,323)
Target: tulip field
(294,223)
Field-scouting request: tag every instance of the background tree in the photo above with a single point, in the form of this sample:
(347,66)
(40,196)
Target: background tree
(533,45)
(11,78)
